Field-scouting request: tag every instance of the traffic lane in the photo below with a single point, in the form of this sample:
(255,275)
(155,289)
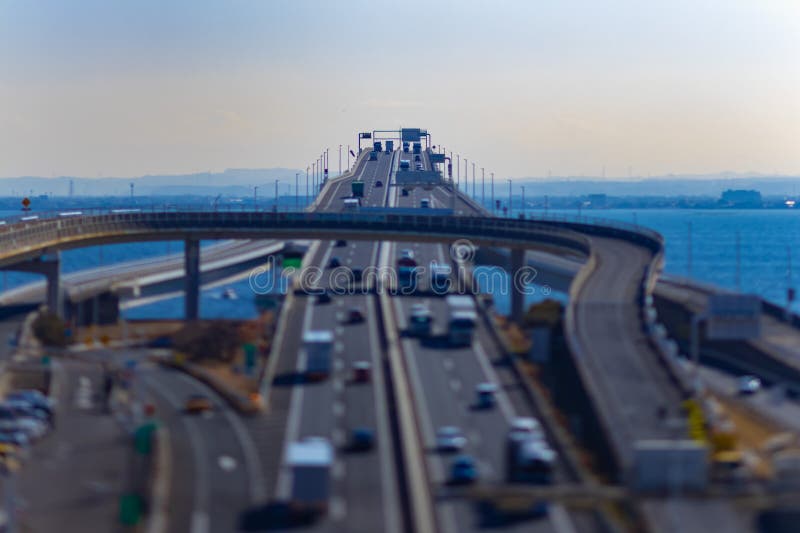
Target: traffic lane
(223,477)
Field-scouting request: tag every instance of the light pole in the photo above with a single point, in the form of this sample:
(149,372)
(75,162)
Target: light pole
(466,176)
(340,160)
(255,197)
(276,195)
(509,198)
(348,157)
(314,177)
(297,191)
(327,164)
(523,201)
(473,180)
(458,171)
(493,209)
(307,195)
(483,187)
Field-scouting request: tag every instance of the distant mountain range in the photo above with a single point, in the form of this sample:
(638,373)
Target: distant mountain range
(239,182)
(231,182)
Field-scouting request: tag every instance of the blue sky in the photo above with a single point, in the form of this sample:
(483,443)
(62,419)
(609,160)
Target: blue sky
(125,88)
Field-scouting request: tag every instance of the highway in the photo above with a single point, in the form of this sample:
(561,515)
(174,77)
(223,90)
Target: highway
(365,492)
(444,378)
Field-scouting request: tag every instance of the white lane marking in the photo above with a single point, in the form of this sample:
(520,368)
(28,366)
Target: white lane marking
(455,384)
(338,508)
(295,410)
(338,385)
(338,408)
(258,490)
(448,363)
(227,463)
(83,395)
(199,522)
(338,364)
(337,436)
(338,469)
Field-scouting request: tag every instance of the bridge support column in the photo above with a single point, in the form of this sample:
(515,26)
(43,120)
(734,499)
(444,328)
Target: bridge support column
(48,264)
(191,285)
(517,294)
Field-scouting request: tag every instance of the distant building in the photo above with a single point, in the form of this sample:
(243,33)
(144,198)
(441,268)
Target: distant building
(740,198)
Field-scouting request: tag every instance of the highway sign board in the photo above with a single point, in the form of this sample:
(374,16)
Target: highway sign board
(733,316)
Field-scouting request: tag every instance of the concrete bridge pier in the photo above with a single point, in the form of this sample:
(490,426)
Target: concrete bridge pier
(191,261)
(517,294)
(48,264)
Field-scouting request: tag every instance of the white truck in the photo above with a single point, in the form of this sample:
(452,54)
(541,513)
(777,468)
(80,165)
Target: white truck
(318,346)
(310,462)
(462,319)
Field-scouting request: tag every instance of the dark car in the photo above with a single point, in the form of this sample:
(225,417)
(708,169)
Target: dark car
(463,470)
(405,192)
(362,439)
(340,243)
(362,371)
(334,262)
(416,158)
(379,183)
(323,298)
(355,316)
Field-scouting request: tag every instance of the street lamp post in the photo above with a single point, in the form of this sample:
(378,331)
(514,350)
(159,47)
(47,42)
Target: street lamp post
(509,197)
(297,191)
(255,197)
(348,157)
(314,178)
(466,175)
(473,180)
(523,200)
(307,195)
(276,195)
(483,187)
(493,209)
(458,170)
(340,160)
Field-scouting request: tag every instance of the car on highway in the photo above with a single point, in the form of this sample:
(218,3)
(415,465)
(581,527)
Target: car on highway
(527,426)
(420,321)
(450,439)
(334,262)
(362,439)
(323,297)
(418,166)
(17,438)
(340,243)
(416,158)
(198,403)
(407,253)
(749,385)
(463,470)
(354,316)
(33,397)
(24,409)
(362,371)
(485,395)
(404,192)
(378,184)
(425,203)
(373,155)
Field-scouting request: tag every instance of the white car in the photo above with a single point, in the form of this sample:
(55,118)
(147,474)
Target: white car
(450,439)
(528,426)
(749,385)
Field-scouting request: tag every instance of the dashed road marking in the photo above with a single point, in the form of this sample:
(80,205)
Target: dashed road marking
(448,363)
(338,469)
(338,408)
(227,463)
(455,384)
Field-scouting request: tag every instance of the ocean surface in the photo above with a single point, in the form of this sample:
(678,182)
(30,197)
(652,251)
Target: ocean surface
(763,240)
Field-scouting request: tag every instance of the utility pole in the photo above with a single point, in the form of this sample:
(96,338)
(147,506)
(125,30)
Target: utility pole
(255,197)
(276,195)
(340,160)
(314,178)
(307,195)
(458,170)
(466,176)
(297,191)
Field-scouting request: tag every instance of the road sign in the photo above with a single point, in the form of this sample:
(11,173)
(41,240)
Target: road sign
(26,204)
(733,316)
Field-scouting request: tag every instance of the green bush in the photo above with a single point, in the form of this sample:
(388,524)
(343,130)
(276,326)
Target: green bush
(214,340)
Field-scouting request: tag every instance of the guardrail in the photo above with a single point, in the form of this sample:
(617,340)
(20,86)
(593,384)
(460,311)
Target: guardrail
(31,237)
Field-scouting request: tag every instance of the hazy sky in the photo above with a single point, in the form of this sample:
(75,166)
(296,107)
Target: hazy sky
(95,87)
